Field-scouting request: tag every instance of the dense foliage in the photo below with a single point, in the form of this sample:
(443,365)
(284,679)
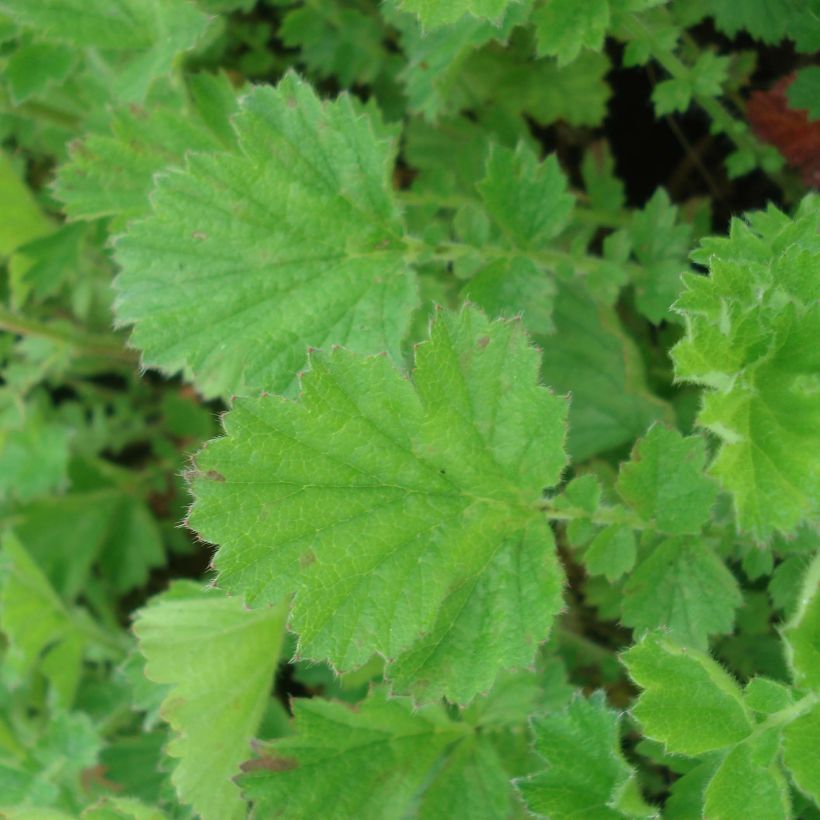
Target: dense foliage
(512,508)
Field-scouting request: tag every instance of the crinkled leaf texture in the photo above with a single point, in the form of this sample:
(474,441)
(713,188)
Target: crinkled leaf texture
(402,514)
(587,775)
(364,763)
(250,256)
(751,340)
(219,658)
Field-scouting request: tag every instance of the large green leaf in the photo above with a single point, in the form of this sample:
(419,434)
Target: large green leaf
(299,231)
(404,515)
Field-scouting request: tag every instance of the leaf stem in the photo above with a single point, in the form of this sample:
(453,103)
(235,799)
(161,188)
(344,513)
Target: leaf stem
(85,343)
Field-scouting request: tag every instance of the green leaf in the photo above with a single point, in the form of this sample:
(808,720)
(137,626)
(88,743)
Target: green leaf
(33,67)
(515,84)
(665,484)
(564,27)
(804,91)
(149,33)
(680,683)
(750,340)
(587,775)
(592,358)
(749,783)
(111,174)
(23,220)
(802,633)
(33,458)
(527,199)
(685,588)
(42,633)
(767,696)
(404,515)
(660,244)
(801,740)
(433,75)
(770,20)
(322,264)
(612,552)
(435,13)
(220,660)
(336,41)
(367,763)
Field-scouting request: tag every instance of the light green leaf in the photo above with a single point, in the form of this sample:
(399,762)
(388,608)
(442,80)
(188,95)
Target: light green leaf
(299,227)
(220,659)
(23,220)
(767,696)
(801,740)
(587,775)
(149,34)
(664,481)
(111,174)
(403,514)
(681,683)
(802,633)
(612,552)
(685,588)
(368,763)
(435,13)
(564,27)
(40,630)
(526,198)
(749,784)
(752,327)
(770,20)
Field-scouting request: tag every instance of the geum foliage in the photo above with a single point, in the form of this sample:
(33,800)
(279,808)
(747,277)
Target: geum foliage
(402,515)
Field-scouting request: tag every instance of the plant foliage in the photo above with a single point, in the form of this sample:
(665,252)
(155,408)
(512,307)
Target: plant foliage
(376,443)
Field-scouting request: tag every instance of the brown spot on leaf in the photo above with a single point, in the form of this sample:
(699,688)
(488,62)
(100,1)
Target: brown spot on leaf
(483,341)
(270,763)
(215,475)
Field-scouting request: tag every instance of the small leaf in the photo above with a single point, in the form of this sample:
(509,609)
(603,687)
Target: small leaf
(684,587)
(612,552)
(587,774)
(801,740)
(690,703)
(802,633)
(220,660)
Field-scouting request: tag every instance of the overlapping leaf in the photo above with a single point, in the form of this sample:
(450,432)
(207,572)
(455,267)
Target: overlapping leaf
(403,515)
(298,228)
(219,659)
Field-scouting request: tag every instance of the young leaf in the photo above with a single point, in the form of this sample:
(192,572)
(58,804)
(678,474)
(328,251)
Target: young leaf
(690,703)
(526,198)
(23,219)
(683,587)
(564,27)
(220,659)
(751,337)
(587,775)
(664,481)
(612,552)
(404,515)
(299,227)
